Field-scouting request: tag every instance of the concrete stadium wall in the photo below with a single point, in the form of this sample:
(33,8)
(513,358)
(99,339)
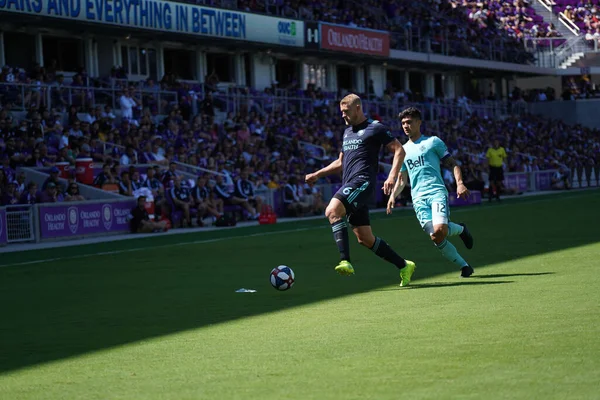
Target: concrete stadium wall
(538,82)
(89,192)
(584,112)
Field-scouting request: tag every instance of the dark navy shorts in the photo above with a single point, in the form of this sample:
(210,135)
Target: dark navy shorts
(496,174)
(357,196)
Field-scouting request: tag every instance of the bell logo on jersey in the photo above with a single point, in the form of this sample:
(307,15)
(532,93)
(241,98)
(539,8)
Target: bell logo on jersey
(419,162)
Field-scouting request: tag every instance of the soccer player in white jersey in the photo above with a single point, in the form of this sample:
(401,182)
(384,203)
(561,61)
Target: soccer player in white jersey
(424,154)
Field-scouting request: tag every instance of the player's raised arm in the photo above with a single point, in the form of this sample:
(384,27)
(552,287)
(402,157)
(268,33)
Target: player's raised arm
(396,147)
(333,168)
(461,190)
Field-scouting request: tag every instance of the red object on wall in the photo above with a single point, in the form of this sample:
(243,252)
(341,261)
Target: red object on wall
(84,170)
(267,216)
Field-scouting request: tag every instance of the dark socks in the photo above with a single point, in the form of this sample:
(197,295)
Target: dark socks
(340,235)
(383,250)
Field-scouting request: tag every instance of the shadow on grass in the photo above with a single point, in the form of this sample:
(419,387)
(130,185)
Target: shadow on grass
(460,283)
(510,275)
(62,309)
(441,285)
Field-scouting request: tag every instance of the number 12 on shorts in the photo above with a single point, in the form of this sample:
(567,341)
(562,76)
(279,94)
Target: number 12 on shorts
(440,212)
(440,208)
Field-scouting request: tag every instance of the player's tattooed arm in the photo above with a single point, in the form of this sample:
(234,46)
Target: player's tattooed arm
(450,163)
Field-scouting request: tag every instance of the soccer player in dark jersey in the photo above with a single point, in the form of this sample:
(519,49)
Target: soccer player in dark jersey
(359,162)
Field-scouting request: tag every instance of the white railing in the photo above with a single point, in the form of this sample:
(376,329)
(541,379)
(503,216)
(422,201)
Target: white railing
(20,223)
(188,169)
(197,171)
(39,176)
(387,110)
(570,25)
(553,44)
(525,155)
(554,55)
(546,4)
(315,151)
(561,17)
(571,47)
(496,49)
(477,142)
(25,96)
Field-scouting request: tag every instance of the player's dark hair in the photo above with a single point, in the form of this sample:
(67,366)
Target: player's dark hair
(410,112)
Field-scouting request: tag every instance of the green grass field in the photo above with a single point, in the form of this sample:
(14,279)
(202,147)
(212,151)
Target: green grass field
(158,318)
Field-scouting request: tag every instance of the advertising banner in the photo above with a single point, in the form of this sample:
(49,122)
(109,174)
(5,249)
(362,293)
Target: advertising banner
(312,35)
(543,180)
(516,181)
(79,219)
(474,198)
(355,40)
(3,234)
(167,16)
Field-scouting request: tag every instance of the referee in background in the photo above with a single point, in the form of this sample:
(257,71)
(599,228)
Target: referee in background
(496,156)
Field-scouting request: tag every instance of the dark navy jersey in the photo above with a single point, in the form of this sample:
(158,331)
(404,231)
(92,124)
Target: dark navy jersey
(201,193)
(180,193)
(135,185)
(361,146)
(244,188)
(152,184)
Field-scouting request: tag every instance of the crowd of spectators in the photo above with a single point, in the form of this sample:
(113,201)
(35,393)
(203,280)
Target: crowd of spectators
(532,144)
(14,189)
(585,14)
(468,26)
(270,143)
(266,144)
(42,86)
(263,148)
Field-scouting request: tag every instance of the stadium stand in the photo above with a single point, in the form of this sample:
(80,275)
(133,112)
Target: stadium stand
(267,144)
(585,15)
(473,28)
(278,134)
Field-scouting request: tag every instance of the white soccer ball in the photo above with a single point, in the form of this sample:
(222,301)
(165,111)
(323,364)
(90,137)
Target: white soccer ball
(282,277)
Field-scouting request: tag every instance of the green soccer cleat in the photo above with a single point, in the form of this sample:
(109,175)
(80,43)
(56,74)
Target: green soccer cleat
(344,268)
(406,273)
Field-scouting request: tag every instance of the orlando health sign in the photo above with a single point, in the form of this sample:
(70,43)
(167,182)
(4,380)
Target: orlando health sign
(167,16)
(59,220)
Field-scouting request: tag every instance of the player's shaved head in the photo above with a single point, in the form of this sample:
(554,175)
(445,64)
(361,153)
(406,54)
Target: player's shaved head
(351,100)
(351,108)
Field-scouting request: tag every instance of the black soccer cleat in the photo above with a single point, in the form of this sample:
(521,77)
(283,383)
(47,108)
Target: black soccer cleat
(466,237)
(466,271)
